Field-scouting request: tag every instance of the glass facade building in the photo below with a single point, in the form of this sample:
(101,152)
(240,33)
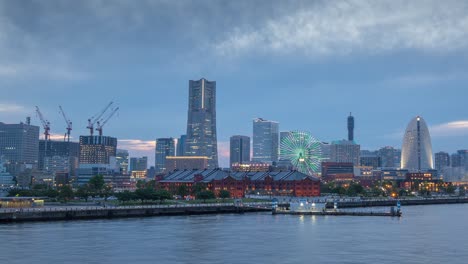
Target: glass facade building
(139,164)
(97,149)
(201,124)
(239,150)
(265,140)
(122,160)
(416,151)
(165,147)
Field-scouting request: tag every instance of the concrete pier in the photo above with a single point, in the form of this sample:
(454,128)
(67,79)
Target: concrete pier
(70,213)
(339,213)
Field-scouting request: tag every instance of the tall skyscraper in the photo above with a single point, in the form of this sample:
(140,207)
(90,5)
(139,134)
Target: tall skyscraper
(265,140)
(97,149)
(416,151)
(122,160)
(19,146)
(181,145)
(164,147)
(442,160)
(239,149)
(139,164)
(201,124)
(345,151)
(350,127)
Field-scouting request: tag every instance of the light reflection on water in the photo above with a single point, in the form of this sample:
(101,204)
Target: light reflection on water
(425,234)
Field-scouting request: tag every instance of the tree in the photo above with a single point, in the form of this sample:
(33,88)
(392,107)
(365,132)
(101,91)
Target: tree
(450,189)
(83,192)
(224,194)
(125,196)
(198,187)
(182,190)
(96,184)
(204,195)
(66,193)
(163,195)
(107,191)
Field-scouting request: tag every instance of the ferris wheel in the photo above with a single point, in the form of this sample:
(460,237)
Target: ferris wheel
(302,150)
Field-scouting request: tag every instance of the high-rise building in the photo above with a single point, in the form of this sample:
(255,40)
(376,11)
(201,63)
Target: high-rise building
(283,136)
(97,149)
(239,150)
(350,127)
(164,147)
(326,151)
(265,140)
(186,163)
(387,157)
(345,151)
(442,160)
(122,160)
(138,164)
(58,156)
(181,145)
(463,158)
(201,124)
(19,146)
(416,151)
(373,161)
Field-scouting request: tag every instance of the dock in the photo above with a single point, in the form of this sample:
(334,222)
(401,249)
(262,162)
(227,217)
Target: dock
(338,213)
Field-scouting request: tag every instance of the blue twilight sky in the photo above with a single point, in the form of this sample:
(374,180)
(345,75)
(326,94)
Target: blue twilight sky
(305,64)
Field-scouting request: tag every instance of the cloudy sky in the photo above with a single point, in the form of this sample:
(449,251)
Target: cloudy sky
(305,64)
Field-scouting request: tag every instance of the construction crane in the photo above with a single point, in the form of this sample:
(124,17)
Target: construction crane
(95,118)
(45,124)
(66,137)
(103,121)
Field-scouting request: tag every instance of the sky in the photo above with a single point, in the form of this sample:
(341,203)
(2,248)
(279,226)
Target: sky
(305,64)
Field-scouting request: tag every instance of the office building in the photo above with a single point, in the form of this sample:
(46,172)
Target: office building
(6,179)
(201,124)
(265,140)
(239,150)
(350,127)
(122,160)
(181,145)
(19,146)
(138,164)
(58,156)
(387,157)
(337,171)
(97,149)
(164,147)
(442,160)
(416,151)
(345,151)
(370,161)
(186,163)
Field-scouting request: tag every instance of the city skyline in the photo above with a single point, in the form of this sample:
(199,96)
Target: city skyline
(294,83)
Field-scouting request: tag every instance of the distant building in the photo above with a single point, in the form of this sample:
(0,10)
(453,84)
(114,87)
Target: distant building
(463,158)
(326,151)
(138,164)
(181,145)
(164,147)
(265,140)
(442,160)
(416,151)
(345,151)
(59,156)
(6,179)
(19,146)
(251,166)
(201,124)
(138,175)
(122,160)
(283,136)
(387,157)
(370,161)
(350,127)
(337,171)
(97,149)
(239,150)
(186,163)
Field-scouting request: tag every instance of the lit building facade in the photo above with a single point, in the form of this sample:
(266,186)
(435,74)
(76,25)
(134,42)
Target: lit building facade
(138,164)
(186,163)
(58,156)
(122,160)
(97,149)
(164,147)
(239,150)
(201,124)
(265,140)
(416,151)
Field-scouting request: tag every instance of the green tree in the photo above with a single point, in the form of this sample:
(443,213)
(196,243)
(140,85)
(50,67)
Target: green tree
(224,194)
(450,189)
(66,193)
(182,190)
(204,195)
(198,187)
(107,191)
(83,192)
(163,195)
(96,184)
(125,196)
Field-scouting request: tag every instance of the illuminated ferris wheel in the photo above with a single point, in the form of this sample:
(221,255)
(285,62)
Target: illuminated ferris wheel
(302,150)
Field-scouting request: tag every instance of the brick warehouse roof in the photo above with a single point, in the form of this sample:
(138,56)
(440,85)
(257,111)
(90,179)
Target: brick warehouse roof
(218,174)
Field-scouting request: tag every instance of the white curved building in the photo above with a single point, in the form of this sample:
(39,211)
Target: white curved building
(416,152)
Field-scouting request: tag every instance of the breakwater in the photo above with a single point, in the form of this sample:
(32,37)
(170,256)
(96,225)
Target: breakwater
(71,213)
(392,202)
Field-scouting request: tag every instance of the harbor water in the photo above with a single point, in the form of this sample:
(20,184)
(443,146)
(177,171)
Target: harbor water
(425,234)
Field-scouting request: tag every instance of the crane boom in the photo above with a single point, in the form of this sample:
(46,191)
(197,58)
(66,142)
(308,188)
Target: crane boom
(92,120)
(103,121)
(45,123)
(69,124)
